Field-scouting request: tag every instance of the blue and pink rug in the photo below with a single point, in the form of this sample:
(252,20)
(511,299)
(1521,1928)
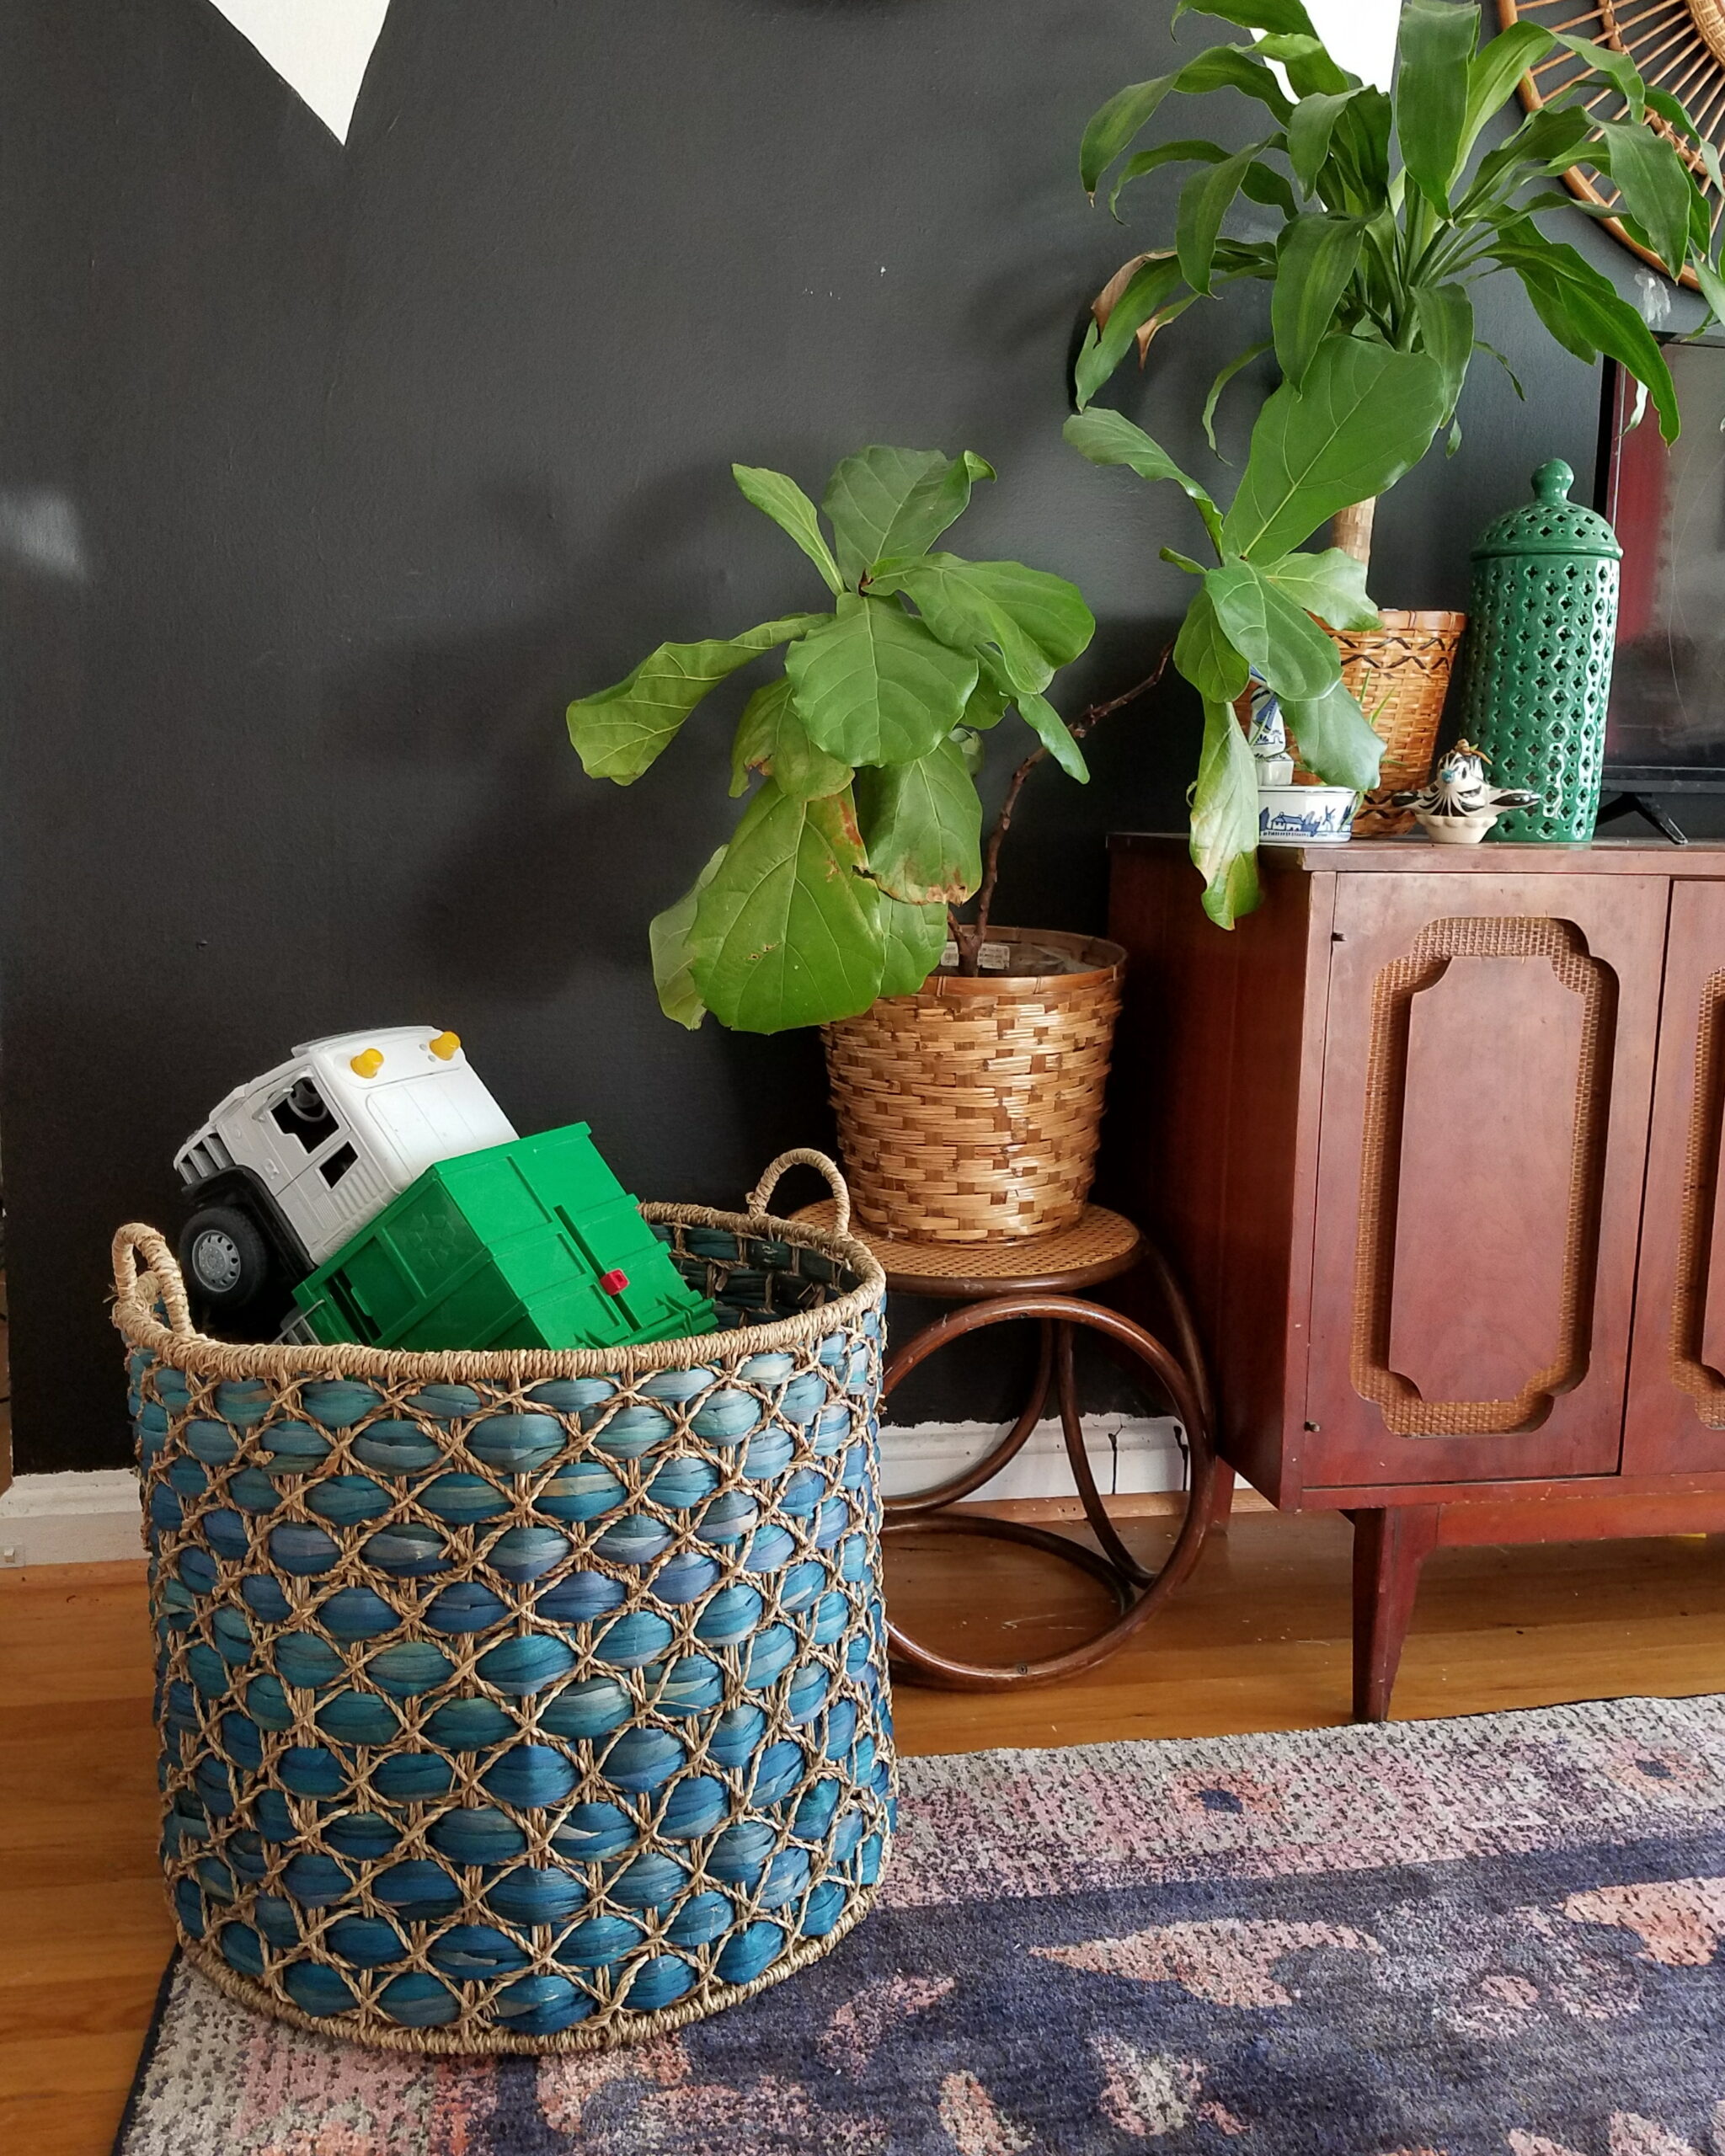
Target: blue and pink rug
(1491,1937)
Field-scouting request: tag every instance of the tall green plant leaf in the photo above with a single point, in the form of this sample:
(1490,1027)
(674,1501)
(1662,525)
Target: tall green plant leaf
(1110,438)
(1204,656)
(1583,311)
(1152,286)
(1334,739)
(1364,415)
(1224,818)
(771,736)
(1039,715)
(1035,621)
(784,501)
(1272,633)
(669,937)
(1307,64)
(912,940)
(1434,45)
(619,731)
(1446,317)
(1288,16)
(1310,127)
(1613,67)
(1331,584)
(873,686)
(1189,151)
(1493,74)
(1546,141)
(1656,190)
(1318,256)
(921,826)
(787,932)
(896,501)
(1205,201)
(1222,67)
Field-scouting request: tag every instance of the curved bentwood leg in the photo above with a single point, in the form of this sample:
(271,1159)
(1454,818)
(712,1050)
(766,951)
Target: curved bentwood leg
(1138,1591)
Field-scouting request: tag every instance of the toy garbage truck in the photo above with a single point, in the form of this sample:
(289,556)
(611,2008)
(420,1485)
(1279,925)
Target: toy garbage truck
(290,1167)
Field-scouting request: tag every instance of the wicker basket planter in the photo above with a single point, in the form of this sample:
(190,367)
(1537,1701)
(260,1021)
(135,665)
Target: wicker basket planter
(1400,676)
(971,1109)
(522,1702)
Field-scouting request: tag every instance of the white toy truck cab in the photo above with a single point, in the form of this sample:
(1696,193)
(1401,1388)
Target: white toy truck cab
(291,1166)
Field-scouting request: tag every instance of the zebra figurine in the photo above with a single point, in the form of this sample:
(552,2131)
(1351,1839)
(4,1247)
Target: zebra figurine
(1459,804)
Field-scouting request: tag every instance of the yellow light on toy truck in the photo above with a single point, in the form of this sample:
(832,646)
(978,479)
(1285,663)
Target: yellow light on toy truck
(367,1062)
(445,1045)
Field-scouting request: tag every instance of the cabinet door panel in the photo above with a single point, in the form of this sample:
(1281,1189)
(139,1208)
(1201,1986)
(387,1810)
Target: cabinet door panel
(1677,1375)
(1486,1097)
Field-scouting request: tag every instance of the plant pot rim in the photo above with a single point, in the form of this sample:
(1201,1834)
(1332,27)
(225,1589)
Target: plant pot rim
(1397,621)
(1097,958)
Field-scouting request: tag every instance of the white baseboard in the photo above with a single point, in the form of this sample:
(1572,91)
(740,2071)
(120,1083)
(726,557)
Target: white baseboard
(93,1517)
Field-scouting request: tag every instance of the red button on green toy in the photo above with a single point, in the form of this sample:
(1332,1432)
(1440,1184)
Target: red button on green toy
(613,1282)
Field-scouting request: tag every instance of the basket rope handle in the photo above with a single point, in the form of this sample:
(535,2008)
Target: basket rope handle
(134,1238)
(802,1157)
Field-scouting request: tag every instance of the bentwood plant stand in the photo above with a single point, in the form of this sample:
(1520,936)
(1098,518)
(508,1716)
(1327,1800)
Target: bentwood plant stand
(1436,1136)
(1040,1279)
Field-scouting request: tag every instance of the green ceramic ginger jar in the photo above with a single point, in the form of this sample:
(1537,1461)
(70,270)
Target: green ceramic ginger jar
(1541,624)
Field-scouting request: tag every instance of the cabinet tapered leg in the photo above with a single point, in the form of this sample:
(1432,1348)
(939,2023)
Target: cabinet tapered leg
(1390,1546)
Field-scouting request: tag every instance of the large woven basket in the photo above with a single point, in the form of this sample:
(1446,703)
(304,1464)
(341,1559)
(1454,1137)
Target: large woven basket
(971,1109)
(1400,675)
(528,1700)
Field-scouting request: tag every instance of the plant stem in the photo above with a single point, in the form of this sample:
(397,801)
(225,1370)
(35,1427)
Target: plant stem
(968,934)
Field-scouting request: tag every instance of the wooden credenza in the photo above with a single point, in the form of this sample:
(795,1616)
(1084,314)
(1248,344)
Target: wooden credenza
(1435,1137)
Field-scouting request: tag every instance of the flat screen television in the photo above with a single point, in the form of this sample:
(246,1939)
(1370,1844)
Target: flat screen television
(1665,731)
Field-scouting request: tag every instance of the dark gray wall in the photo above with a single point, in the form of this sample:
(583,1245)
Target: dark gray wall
(328,476)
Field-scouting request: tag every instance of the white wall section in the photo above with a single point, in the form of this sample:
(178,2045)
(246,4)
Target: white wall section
(320,48)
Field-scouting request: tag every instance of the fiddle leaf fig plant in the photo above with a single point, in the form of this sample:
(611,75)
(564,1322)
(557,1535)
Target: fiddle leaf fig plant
(864,829)
(1369,217)
(1363,415)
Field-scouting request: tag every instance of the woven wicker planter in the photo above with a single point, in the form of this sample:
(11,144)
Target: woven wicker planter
(1401,676)
(970,1110)
(522,1702)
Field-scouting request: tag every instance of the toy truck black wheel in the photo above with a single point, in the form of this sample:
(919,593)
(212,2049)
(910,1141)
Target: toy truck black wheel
(224,1258)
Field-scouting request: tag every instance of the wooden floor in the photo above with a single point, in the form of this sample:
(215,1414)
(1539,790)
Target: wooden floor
(1258,1641)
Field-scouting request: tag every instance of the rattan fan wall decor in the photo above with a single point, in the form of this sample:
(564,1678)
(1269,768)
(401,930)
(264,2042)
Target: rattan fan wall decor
(1678,45)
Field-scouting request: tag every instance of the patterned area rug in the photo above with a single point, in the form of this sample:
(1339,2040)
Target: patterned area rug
(1431,1938)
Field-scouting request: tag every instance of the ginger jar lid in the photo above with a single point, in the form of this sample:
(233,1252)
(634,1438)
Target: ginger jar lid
(1549,524)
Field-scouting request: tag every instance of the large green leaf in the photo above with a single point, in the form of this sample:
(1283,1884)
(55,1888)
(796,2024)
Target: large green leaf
(1331,584)
(1656,188)
(1434,45)
(1188,150)
(668,937)
(784,501)
(1318,255)
(787,933)
(1364,415)
(1276,15)
(1146,293)
(896,501)
(1583,311)
(1272,633)
(1546,141)
(1204,656)
(1311,128)
(1334,739)
(1037,622)
(1111,438)
(1444,313)
(1223,66)
(1224,818)
(873,686)
(1204,200)
(1039,715)
(921,826)
(1493,74)
(912,940)
(1611,65)
(619,731)
(1306,62)
(771,736)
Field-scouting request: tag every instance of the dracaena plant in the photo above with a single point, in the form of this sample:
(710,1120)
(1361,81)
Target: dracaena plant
(865,827)
(1382,218)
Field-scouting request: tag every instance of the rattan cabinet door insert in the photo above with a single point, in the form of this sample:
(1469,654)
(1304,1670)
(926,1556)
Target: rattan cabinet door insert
(1487,1067)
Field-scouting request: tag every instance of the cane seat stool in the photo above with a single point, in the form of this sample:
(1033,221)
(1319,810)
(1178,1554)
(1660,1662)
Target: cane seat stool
(1042,1279)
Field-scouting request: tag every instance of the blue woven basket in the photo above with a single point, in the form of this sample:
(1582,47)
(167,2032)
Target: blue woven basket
(522,1702)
